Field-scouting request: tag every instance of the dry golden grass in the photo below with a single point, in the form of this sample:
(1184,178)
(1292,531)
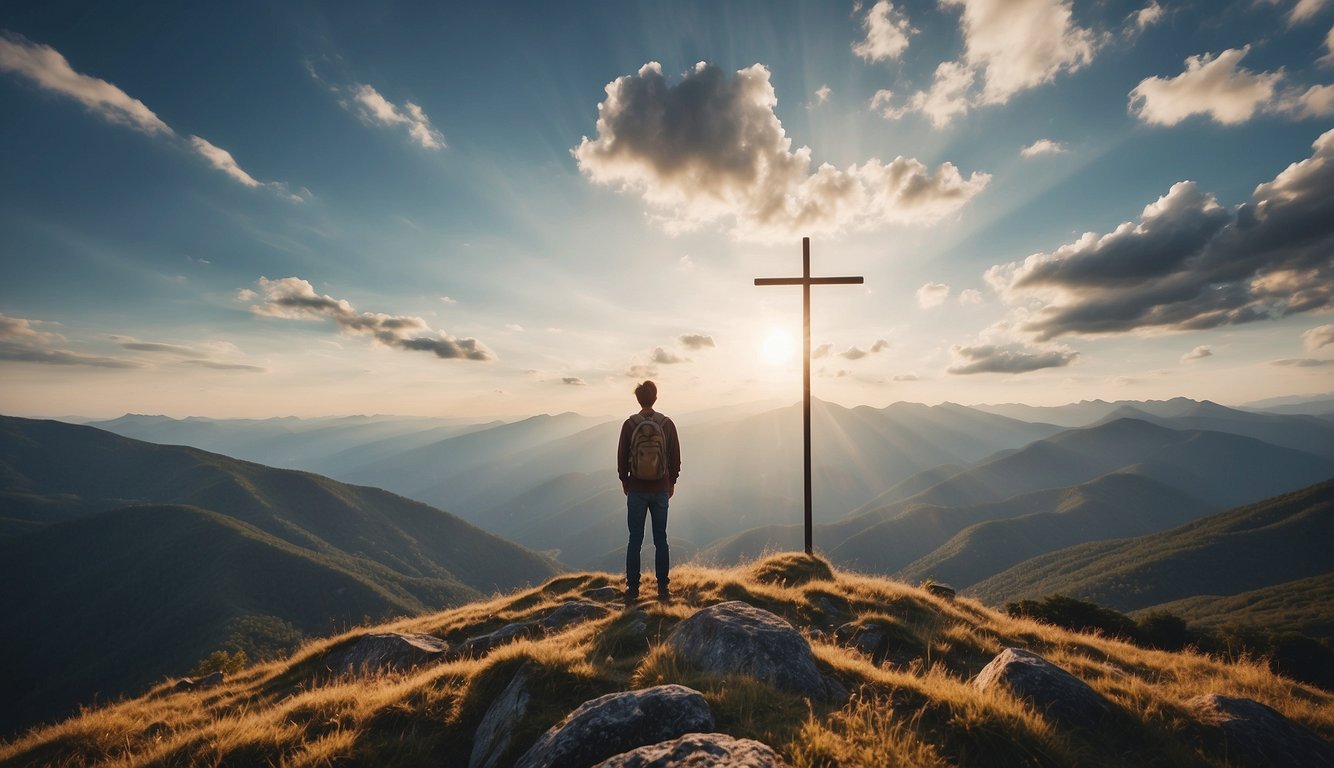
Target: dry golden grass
(296,713)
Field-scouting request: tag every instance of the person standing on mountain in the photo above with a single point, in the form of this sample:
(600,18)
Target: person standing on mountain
(648,460)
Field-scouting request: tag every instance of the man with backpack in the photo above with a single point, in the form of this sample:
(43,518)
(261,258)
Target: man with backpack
(648,459)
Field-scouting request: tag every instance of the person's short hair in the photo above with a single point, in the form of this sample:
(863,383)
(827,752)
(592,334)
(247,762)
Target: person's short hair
(646,394)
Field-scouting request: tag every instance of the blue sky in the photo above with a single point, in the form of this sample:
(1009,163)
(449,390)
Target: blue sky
(262,209)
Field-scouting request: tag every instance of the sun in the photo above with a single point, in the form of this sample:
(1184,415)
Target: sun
(778,348)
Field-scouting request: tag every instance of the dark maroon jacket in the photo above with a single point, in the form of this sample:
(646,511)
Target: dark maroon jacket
(636,485)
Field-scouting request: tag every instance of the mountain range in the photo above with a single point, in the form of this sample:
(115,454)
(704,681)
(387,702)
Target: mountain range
(128,560)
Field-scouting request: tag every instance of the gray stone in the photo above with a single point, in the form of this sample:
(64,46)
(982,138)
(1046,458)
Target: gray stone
(474,647)
(572,612)
(736,638)
(1261,734)
(874,640)
(699,750)
(617,723)
(208,681)
(604,594)
(944,591)
(1050,689)
(492,739)
(387,651)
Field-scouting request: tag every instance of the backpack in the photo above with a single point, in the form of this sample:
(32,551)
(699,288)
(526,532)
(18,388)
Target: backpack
(648,447)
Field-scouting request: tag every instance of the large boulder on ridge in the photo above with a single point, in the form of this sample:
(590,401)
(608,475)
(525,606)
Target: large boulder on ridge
(736,638)
(619,722)
(1259,733)
(1051,690)
(380,651)
(699,750)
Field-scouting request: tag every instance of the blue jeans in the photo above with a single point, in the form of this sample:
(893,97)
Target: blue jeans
(637,507)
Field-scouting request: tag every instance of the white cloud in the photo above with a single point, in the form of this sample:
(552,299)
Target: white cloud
(1211,85)
(1012,358)
(514,327)
(947,98)
(710,149)
(1199,353)
(664,357)
(880,345)
(449,299)
(970,296)
(1316,101)
(1318,337)
(44,66)
(1022,44)
(1303,362)
(1328,58)
(824,350)
(1189,263)
(887,32)
(376,109)
(932,295)
(822,94)
(573,381)
(223,161)
(296,299)
(47,68)
(1147,16)
(1304,10)
(696,341)
(20,342)
(1043,147)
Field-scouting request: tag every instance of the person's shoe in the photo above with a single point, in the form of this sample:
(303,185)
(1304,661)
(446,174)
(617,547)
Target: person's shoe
(631,596)
(664,596)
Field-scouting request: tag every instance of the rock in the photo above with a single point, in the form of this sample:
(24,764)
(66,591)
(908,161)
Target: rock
(1261,734)
(944,591)
(572,612)
(482,644)
(604,594)
(618,722)
(739,639)
(1053,691)
(387,650)
(492,739)
(208,681)
(874,640)
(699,750)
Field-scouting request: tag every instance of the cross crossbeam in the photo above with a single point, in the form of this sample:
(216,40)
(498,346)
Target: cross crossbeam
(806,281)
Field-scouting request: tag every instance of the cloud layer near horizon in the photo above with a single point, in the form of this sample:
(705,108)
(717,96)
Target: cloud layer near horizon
(1189,263)
(296,299)
(711,149)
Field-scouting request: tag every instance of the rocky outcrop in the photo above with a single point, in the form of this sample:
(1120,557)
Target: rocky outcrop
(558,619)
(1051,690)
(1257,732)
(736,638)
(492,740)
(208,681)
(383,651)
(617,723)
(880,641)
(699,750)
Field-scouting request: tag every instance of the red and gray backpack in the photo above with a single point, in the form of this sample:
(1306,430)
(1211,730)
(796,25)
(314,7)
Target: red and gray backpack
(648,447)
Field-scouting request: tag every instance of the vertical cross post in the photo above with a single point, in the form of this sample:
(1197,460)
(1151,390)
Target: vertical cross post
(806,281)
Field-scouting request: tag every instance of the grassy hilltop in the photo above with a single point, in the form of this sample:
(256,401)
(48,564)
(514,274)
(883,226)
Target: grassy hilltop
(917,709)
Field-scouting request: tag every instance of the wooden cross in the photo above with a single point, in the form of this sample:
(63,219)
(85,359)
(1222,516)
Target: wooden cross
(806,281)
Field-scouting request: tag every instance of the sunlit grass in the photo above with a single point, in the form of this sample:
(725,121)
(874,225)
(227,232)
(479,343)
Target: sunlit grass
(925,712)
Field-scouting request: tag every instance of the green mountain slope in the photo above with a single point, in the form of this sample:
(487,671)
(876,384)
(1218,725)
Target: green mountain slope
(1305,606)
(111,602)
(84,469)
(1261,545)
(1112,507)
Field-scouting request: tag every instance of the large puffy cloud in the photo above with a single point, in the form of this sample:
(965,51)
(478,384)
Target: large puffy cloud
(887,32)
(932,295)
(1021,44)
(1189,263)
(22,343)
(1010,46)
(294,298)
(46,67)
(1216,86)
(710,148)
